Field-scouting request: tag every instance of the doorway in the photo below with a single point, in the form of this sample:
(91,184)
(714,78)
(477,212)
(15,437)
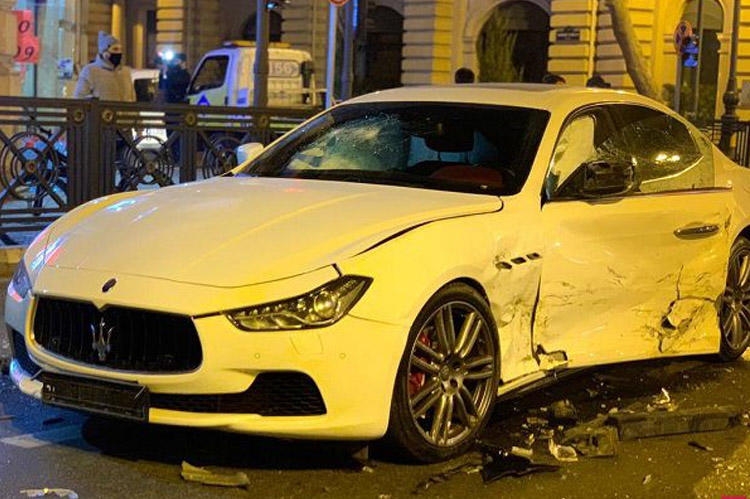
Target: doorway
(513,43)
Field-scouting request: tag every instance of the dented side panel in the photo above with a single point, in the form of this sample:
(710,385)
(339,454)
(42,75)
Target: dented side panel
(634,278)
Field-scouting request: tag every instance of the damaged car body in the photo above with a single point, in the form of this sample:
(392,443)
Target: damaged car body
(391,266)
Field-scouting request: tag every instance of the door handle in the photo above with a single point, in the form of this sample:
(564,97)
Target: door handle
(696,231)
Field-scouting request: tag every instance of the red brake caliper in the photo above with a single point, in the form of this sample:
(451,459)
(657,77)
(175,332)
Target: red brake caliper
(417,379)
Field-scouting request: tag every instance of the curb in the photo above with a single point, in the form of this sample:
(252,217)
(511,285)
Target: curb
(9,258)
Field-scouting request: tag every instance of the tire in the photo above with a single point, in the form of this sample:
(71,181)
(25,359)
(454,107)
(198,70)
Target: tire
(734,316)
(437,410)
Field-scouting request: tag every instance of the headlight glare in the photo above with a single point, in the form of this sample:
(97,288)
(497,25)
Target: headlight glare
(20,283)
(319,308)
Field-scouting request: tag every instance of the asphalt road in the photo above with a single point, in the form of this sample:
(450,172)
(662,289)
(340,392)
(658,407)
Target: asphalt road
(42,446)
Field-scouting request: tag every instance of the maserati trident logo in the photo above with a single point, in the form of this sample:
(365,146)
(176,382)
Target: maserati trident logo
(100,339)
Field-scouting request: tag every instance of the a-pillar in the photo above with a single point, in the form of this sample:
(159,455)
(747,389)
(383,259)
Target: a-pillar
(10,78)
(428,42)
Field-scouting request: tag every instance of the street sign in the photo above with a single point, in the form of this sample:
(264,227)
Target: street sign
(568,34)
(338,3)
(683,31)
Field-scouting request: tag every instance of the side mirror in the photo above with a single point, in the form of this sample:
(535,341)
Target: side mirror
(606,178)
(248,151)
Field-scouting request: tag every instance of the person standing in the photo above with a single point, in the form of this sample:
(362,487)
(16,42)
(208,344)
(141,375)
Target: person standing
(177,80)
(176,83)
(464,75)
(106,78)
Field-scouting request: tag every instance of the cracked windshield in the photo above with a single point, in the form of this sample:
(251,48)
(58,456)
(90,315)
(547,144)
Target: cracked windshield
(461,148)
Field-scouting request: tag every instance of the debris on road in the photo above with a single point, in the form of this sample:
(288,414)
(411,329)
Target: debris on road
(662,402)
(647,479)
(562,412)
(652,424)
(564,453)
(499,463)
(593,439)
(46,492)
(466,468)
(700,446)
(196,474)
(520,451)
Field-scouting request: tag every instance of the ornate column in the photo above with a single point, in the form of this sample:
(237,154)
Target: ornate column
(428,42)
(10,78)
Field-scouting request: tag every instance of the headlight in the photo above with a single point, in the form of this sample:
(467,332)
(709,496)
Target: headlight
(20,284)
(318,308)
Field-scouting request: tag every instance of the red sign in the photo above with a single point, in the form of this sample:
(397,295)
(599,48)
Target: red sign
(338,3)
(27,45)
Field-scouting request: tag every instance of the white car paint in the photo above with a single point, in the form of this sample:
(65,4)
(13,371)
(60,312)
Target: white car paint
(569,282)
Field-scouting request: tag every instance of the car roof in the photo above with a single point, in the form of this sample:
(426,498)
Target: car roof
(533,95)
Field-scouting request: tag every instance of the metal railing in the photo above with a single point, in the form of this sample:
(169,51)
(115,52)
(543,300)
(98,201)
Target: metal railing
(56,154)
(740,152)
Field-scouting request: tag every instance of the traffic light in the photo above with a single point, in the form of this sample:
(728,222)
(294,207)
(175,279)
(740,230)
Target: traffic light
(689,51)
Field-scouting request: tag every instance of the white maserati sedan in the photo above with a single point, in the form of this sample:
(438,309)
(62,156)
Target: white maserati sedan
(390,266)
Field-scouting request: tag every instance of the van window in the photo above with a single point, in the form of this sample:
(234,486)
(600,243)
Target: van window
(210,74)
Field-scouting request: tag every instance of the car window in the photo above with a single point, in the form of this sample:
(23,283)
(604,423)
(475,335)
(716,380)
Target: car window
(662,149)
(574,147)
(211,74)
(486,149)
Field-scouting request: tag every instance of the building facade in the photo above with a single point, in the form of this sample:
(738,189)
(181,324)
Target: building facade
(409,42)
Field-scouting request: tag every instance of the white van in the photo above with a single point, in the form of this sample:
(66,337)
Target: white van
(224,77)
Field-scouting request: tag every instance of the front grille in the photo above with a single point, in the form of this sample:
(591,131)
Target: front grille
(18,347)
(271,394)
(119,338)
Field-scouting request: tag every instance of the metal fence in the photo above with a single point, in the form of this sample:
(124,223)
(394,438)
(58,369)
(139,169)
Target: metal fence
(740,152)
(57,154)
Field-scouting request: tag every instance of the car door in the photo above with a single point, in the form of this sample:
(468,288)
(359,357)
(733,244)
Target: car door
(636,274)
(209,85)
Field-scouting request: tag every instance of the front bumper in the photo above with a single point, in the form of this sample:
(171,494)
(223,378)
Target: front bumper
(353,364)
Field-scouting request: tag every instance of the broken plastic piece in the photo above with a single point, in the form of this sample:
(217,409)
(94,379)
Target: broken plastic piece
(67,493)
(499,463)
(536,421)
(520,451)
(563,453)
(196,474)
(593,439)
(467,468)
(652,424)
(647,479)
(700,446)
(662,402)
(563,412)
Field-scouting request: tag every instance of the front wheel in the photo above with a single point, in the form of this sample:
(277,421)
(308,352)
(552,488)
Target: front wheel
(734,316)
(448,377)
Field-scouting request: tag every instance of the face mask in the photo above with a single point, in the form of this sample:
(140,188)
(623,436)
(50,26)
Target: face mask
(115,59)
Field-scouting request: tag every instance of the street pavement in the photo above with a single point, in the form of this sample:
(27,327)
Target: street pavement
(48,447)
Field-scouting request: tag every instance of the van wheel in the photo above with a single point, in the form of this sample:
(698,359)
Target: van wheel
(448,377)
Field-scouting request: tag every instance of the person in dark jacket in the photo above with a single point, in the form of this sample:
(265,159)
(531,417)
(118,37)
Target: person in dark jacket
(177,80)
(176,83)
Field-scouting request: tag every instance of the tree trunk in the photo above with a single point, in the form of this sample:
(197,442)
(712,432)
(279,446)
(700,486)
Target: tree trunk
(631,48)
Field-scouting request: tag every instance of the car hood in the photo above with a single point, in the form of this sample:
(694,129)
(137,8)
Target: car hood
(235,231)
